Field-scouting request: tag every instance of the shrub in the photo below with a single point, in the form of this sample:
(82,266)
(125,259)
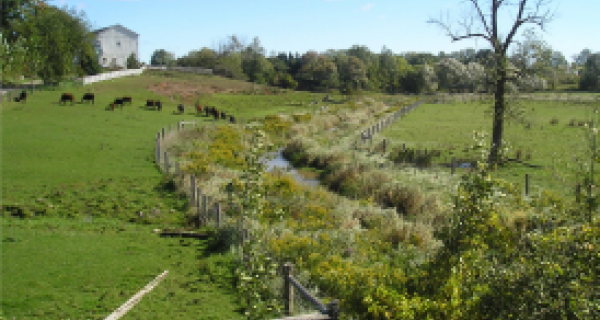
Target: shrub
(554,121)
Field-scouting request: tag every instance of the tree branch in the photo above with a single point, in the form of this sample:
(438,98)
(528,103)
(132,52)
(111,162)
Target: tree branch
(482,17)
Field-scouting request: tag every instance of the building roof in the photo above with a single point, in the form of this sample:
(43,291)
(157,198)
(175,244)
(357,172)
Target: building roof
(118,27)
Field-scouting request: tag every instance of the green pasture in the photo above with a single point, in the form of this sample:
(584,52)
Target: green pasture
(536,141)
(87,268)
(45,143)
(97,167)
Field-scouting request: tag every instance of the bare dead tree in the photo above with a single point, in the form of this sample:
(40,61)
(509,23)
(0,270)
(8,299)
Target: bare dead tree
(484,24)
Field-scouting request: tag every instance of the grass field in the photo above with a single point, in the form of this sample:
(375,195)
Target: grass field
(85,162)
(87,268)
(553,146)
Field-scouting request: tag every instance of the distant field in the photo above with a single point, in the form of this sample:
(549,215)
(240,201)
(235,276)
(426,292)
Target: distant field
(449,127)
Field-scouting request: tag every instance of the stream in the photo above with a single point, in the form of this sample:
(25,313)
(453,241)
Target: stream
(277,161)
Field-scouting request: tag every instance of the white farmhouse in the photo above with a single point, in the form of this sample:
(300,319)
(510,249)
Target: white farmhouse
(115,44)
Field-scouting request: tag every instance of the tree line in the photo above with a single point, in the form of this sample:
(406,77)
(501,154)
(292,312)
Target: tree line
(538,66)
(41,40)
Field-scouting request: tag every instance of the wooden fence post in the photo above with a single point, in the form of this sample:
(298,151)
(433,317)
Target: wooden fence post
(218,215)
(163,132)
(384,146)
(577,192)
(166,163)
(158,150)
(288,292)
(527,184)
(204,201)
(193,188)
(333,310)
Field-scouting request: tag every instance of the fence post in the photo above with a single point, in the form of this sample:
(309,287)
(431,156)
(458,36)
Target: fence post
(171,128)
(204,209)
(527,184)
(577,192)
(288,292)
(163,132)
(166,163)
(158,150)
(384,146)
(218,215)
(193,188)
(333,310)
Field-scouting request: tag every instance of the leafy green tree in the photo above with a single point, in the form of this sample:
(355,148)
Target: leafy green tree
(14,13)
(132,62)
(12,57)
(162,57)
(318,72)
(352,73)
(203,58)
(286,81)
(59,39)
(230,66)
(590,77)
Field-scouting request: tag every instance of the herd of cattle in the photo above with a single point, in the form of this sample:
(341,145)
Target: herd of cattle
(208,110)
(69,97)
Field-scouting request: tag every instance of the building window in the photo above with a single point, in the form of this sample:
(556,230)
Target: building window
(118,43)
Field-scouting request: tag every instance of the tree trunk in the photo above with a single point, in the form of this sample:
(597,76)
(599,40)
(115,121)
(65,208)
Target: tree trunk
(498,124)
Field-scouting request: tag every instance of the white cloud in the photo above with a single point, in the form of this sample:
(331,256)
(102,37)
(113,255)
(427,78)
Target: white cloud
(367,7)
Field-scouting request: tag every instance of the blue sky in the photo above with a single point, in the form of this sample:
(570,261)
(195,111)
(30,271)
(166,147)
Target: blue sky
(179,26)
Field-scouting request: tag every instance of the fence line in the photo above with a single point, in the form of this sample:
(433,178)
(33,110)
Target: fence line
(111,75)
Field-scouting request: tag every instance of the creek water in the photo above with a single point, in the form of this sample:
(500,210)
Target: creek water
(275,161)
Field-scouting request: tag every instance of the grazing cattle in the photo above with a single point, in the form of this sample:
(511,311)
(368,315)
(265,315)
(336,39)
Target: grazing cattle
(232,119)
(158,105)
(149,103)
(216,115)
(207,111)
(21,97)
(180,108)
(126,100)
(66,97)
(223,115)
(88,97)
(198,108)
(119,102)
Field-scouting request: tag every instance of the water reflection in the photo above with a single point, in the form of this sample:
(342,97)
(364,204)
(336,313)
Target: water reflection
(277,161)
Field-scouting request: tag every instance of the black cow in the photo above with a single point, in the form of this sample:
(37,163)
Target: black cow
(149,103)
(119,102)
(207,111)
(223,115)
(180,108)
(158,105)
(126,100)
(232,119)
(66,97)
(88,97)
